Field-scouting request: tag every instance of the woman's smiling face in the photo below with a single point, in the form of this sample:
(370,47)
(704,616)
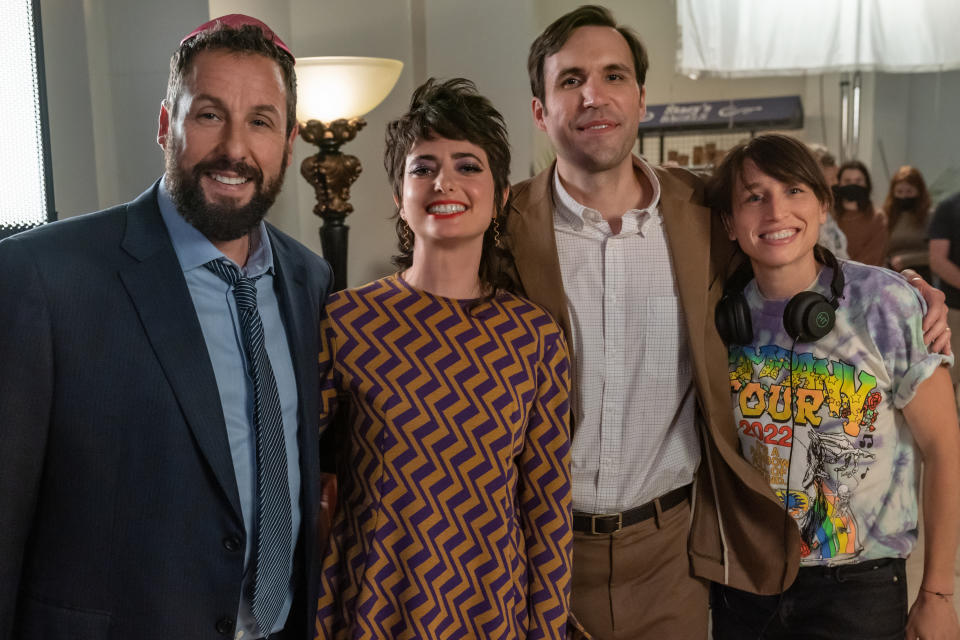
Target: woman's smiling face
(448,191)
(776,224)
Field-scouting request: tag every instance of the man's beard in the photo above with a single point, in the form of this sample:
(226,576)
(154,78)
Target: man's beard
(220,222)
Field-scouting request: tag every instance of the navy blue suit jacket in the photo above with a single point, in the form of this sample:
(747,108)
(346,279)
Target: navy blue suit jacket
(119,512)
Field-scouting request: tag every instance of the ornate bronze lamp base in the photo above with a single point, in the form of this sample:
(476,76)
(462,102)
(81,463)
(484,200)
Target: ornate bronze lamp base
(331,173)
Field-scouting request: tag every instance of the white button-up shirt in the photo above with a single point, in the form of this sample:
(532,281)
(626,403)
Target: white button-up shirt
(635,437)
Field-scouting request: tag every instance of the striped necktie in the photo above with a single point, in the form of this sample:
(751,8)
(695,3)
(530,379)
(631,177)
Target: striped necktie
(271,580)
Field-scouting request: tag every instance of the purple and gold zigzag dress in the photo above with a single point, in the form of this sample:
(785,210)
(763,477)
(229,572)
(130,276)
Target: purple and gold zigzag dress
(454,516)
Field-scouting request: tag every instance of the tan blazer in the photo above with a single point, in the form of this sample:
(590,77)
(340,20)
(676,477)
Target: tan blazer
(740,534)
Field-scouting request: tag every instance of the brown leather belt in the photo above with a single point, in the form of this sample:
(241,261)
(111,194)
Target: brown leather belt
(607,523)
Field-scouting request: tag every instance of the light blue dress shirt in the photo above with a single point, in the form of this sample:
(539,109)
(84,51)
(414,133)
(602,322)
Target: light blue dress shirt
(219,320)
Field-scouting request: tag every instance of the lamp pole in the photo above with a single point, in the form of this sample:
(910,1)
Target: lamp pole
(331,173)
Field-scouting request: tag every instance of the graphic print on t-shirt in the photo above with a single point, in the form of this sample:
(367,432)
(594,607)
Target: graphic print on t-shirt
(853,480)
(829,410)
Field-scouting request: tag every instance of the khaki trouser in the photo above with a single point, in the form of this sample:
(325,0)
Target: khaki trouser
(636,583)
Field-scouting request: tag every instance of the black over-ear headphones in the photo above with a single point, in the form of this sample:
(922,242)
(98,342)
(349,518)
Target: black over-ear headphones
(807,317)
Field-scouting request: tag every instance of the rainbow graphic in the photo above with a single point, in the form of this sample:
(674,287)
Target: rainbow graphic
(837,534)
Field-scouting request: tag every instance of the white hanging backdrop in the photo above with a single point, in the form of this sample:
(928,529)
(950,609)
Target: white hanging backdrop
(738,38)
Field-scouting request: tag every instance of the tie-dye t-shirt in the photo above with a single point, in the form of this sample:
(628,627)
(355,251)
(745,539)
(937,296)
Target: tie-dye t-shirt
(853,476)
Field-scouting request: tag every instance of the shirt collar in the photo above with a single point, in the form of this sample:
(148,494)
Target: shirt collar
(633,219)
(193,249)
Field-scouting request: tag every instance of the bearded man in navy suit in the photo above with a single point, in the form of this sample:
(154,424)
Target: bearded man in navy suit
(138,498)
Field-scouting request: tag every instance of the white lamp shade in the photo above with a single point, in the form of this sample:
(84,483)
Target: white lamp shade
(333,87)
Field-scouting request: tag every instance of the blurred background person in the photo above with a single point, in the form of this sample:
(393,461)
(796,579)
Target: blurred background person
(907,209)
(945,263)
(864,226)
(827,162)
(831,237)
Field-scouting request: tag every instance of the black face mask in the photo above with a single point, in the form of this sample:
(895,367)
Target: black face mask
(852,192)
(905,204)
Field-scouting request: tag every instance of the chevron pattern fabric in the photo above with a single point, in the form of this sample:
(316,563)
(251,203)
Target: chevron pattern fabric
(271,580)
(454,518)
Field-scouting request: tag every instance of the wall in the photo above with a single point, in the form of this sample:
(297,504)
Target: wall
(495,57)
(107,64)
(933,132)
(887,142)
(69,107)
(137,72)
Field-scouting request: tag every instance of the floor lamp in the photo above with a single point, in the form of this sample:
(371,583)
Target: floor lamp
(334,93)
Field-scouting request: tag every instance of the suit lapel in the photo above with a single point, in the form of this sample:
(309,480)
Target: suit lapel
(300,310)
(700,255)
(689,242)
(534,246)
(159,292)
(533,243)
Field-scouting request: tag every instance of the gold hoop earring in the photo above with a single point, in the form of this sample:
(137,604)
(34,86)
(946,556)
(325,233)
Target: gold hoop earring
(406,237)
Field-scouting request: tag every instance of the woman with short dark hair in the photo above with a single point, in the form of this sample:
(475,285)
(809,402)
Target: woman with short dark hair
(454,469)
(837,401)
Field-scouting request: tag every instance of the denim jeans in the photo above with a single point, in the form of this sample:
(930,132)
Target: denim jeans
(866,600)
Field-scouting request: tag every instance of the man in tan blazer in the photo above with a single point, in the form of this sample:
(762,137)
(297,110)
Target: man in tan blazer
(631,263)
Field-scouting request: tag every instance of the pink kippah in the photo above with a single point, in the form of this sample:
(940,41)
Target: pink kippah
(235,21)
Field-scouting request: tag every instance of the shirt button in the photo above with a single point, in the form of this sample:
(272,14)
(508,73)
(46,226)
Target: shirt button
(225,626)
(231,543)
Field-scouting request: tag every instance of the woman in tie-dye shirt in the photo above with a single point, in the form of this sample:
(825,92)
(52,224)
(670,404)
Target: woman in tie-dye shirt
(836,412)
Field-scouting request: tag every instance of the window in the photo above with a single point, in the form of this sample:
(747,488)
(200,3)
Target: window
(744,38)
(26,187)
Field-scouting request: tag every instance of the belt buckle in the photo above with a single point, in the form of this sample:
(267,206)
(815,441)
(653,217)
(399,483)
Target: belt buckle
(593,523)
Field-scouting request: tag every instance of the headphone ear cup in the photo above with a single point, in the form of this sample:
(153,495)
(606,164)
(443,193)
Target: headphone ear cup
(808,316)
(732,317)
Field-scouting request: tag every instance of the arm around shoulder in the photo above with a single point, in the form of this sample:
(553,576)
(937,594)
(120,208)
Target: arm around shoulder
(935,331)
